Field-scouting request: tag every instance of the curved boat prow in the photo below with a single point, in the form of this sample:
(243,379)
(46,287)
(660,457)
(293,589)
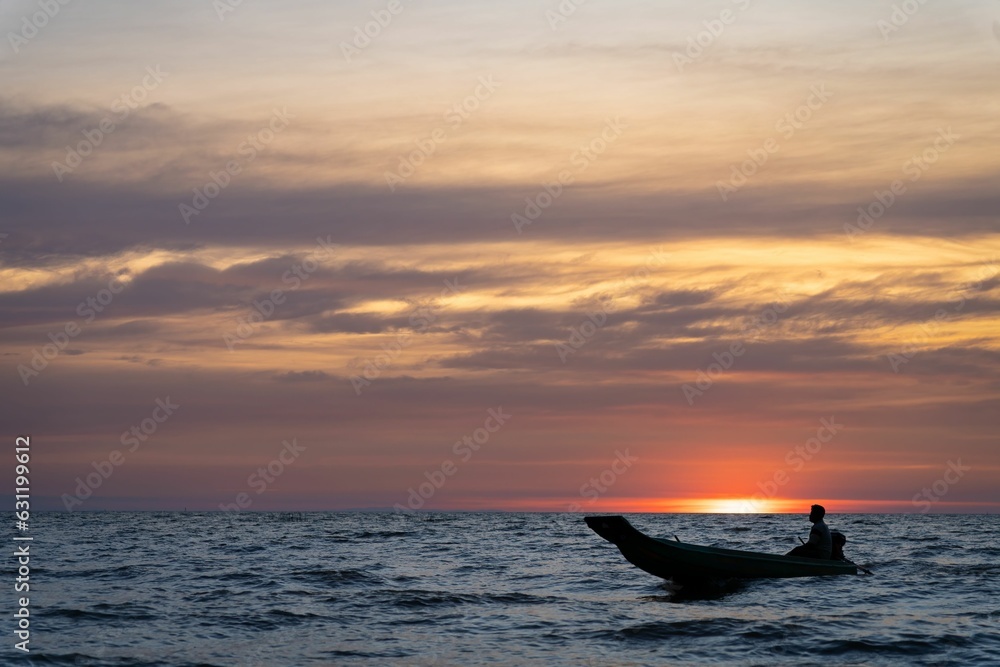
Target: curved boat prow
(612,528)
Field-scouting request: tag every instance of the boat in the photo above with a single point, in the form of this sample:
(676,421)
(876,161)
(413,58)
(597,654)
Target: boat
(682,561)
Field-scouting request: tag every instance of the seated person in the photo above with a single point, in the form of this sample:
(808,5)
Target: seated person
(839,540)
(820,544)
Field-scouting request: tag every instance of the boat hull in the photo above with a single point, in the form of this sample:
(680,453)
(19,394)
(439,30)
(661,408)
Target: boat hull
(679,560)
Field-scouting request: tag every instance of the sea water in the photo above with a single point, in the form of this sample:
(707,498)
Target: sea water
(494,589)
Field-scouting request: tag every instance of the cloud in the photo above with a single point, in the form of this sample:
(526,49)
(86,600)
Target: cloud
(303,376)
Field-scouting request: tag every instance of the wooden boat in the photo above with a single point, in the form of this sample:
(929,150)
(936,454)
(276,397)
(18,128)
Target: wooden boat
(681,561)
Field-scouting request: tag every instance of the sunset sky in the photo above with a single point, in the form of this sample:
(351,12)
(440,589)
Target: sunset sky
(685,253)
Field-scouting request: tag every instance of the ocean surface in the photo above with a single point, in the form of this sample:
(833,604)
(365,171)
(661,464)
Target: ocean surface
(494,589)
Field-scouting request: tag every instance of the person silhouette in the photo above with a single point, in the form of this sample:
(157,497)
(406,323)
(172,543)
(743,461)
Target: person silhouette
(839,540)
(820,544)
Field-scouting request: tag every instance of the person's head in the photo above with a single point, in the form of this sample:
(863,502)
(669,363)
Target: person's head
(817,513)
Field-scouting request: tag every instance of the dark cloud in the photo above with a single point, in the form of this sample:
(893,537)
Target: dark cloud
(303,376)
(99,219)
(55,126)
(178,287)
(685,297)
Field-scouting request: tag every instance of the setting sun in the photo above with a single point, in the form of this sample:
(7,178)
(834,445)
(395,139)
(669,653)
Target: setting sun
(733,506)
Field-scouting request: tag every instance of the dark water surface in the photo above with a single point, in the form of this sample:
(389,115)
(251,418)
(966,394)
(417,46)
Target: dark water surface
(495,589)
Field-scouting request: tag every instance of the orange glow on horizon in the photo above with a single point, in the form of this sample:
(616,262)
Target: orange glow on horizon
(748,505)
(724,506)
(713,506)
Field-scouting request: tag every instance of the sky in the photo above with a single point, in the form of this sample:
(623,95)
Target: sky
(727,256)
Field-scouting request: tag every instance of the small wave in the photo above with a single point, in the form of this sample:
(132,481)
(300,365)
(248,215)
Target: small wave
(336,577)
(41,657)
(469,568)
(901,646)
(213,594)
(365,535)
(519,598)
(119,572)
(344,653)
(421,598)
(432,620)
(338,538)
(669,629)
(132,610)
(234,576)
(979,568)
(985,551)
(773,631)
(97,614)
(285,613)
(424,599)
(926,552)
